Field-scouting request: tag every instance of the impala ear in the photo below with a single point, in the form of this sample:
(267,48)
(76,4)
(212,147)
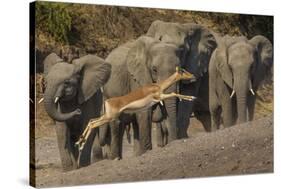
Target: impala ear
(94,73)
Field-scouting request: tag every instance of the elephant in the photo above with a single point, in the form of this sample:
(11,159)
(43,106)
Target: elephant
(136,63)
(72,97)
(236,69)
(198,43)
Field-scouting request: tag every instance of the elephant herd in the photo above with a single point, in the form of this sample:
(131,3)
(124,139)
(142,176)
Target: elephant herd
(228,72)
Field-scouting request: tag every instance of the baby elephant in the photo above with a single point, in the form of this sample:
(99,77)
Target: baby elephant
(236,70)
(73,97)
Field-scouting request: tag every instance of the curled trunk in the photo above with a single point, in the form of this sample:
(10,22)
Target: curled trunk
(52,108)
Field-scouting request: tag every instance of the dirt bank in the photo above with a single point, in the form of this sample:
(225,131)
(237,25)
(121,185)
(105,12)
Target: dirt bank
(242,149)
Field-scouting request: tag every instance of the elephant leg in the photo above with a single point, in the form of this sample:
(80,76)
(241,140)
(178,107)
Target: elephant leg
(251,106)
(205,118)
(227,114)
(96,150)
(184,112)
(122,127)
(144,123)
(65,150)
(128,134)
(115,140)
(166,134)
(170,132)
(160,134)
(136,136)
(103,134)
(85,154)
(215,117)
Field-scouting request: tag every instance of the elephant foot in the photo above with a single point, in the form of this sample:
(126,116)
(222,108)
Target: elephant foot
(184,136)
(66,168)
(160,145)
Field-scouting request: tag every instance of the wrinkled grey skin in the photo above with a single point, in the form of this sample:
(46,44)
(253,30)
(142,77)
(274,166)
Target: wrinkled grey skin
(237,64)
(78,87)
(198,44)
(135,64)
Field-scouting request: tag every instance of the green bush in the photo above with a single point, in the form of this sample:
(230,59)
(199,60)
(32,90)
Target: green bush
(53,19)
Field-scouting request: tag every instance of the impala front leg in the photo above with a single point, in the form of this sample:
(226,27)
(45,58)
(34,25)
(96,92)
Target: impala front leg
(184,97)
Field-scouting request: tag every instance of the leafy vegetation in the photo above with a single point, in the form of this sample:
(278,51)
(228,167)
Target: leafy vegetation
(53,19)
(99,29)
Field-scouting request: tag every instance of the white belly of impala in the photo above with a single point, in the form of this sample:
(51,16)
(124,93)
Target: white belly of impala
(139,105)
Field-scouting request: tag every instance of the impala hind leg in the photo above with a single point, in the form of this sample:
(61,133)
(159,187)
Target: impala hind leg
(86,130)
(91,125)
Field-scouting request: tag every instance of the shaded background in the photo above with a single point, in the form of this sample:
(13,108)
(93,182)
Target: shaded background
(98,29)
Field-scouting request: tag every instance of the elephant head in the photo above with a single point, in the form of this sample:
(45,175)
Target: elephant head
(72,82)
(242,65)
(196,41)
(69,53)
(150,61)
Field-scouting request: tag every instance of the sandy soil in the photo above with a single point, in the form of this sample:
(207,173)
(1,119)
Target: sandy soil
(242,149)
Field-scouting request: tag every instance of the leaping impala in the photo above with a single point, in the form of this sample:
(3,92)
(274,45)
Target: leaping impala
(137,100)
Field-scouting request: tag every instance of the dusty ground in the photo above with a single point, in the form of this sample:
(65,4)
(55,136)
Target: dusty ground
(242,149)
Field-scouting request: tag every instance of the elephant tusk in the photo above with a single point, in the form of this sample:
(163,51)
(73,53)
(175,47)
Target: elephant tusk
(56,99)
(161,102)
(252,91)
(41,100)
(232,94)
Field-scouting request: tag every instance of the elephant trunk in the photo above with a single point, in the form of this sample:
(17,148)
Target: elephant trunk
(241,87)
(171,121)
(51,95)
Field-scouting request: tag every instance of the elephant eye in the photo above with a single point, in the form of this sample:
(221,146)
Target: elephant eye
(67,82)
(154,69)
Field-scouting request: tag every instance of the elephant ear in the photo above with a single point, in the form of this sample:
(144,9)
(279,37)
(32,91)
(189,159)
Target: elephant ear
(264,58)
(151,32)
(50,61)
(202,44)
(137,60)
(94,73)
(264,50)
(222,65)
